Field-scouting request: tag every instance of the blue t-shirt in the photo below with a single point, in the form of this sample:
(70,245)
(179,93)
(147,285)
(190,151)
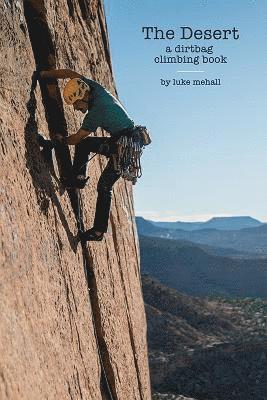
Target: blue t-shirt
(105,111)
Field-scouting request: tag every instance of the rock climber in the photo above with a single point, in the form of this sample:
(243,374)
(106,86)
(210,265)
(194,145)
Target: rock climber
(102,110)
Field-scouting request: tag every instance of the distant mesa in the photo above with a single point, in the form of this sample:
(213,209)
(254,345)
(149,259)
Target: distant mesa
(221,223)
(250,238)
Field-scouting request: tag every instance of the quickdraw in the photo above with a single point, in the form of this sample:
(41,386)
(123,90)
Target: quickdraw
(127,160)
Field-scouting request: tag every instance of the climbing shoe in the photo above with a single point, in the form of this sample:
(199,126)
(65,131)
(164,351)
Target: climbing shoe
(91,236)
(78,182)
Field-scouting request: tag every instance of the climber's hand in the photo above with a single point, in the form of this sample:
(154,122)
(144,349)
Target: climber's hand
(36,75)
(44,74)
(77,137)
(60,139)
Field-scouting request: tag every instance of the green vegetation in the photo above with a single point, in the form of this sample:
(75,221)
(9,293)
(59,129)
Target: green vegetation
(211,347)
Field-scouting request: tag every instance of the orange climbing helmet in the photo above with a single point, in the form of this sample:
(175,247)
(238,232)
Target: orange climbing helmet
(74,90)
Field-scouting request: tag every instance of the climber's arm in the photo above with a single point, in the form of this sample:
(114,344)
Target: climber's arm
(73,139)
(60,74)
(77,137)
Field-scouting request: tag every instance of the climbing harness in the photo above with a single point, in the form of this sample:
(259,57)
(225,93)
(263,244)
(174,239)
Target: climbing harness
(129,145)
(126,154)
(127,160)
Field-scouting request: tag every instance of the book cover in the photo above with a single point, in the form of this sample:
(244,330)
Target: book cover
(133,200)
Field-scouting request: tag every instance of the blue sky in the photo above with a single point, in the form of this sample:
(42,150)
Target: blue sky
(209,151)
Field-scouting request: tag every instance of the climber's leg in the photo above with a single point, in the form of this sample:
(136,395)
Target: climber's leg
(83,149)
(107,179)
(99,145)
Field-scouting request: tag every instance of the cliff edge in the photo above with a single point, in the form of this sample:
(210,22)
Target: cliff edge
(72,320)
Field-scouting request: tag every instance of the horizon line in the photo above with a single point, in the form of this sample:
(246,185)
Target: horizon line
(189,219)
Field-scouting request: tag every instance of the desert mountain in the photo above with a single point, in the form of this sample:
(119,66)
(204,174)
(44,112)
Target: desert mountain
(193,270)
(221,223)
(252,240)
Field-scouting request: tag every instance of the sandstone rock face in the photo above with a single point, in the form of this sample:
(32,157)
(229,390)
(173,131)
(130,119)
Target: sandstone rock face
(48,341)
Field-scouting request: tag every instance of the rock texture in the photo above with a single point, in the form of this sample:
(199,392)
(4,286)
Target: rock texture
(48,342)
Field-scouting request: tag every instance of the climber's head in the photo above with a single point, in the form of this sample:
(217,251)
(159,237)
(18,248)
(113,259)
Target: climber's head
(77,93)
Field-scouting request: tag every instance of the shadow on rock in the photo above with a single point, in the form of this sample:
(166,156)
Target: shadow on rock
(42,172)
